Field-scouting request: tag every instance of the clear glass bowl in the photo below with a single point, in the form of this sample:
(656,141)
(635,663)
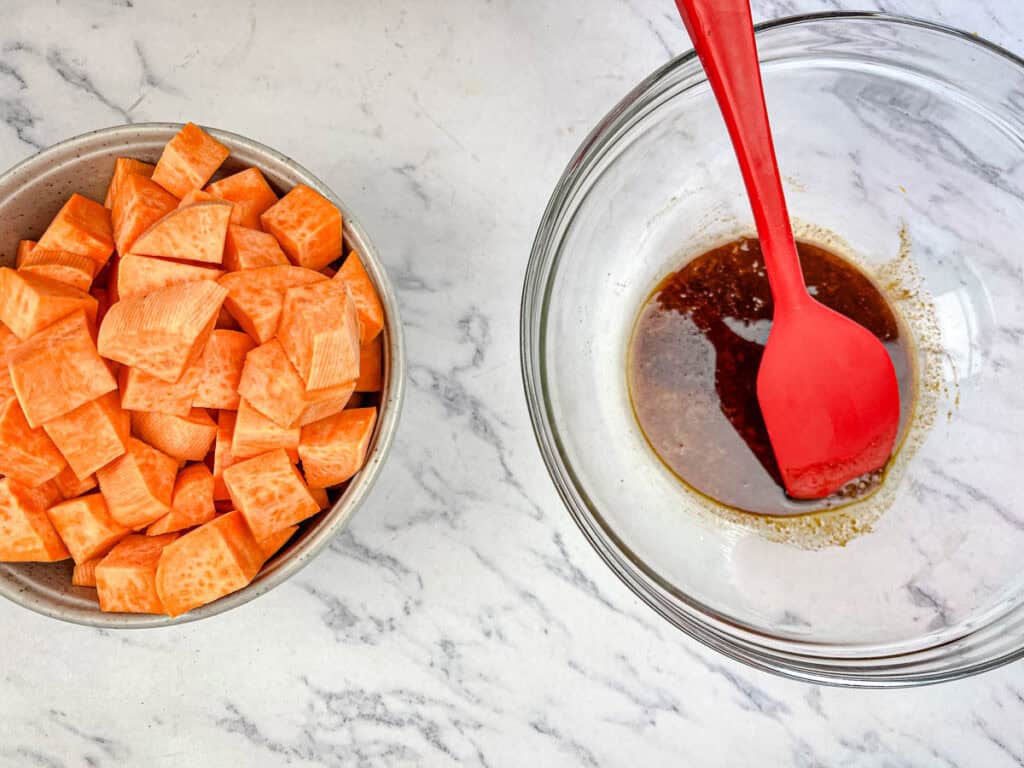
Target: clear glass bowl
(902,145)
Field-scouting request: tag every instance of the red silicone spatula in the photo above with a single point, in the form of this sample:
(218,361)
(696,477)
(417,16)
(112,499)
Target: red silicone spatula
(826,385)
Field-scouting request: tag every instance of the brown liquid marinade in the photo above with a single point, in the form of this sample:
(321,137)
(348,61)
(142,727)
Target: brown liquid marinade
(693,366)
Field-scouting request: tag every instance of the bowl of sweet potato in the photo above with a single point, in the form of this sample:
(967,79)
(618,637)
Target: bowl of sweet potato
(201,374)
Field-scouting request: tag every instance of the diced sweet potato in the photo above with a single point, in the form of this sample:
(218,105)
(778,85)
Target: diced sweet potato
(26,533)
(126,577)
(187,438)
(250,249)
(307,225)
(370,366)
(221,368)
(142,392)
(194,233)
(189,160)
(24,249)
(250,193)
(27,455)
(191,504)
(72,269)
(255,296)
(70,485)
(371,312)
(86,527)
(140,203)
(216,559)
(124,166)
(226,321)
(222,455)
(271,545)
(199,196)
(320,494)
(58,370)
(47,494)
(255,434)
(82,226)
(272,386)
(334,449)
(30,302)
(8,341)
(164,332)
(84,574)
(92,435)
(138,486)
(319,331)
(138,275)
(269,492)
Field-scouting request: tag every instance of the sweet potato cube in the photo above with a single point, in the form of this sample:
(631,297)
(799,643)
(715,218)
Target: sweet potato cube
(370,366)
(187,438)
(66,267)
(82,226)
(334,449)
(320,494)
(86,527)
(58,370)
(371,312)
(255,296)
(221,368)
(24,249)
(191,504)
(256,434)
(216,559)
(140,203)
(139,275)
(195,233)
(250,249)
(189,160)
(126,577)
(319,331)
(138,486)
(271,545)
(226,321)
(30,302)
(27,455)
(250,193)
(92,435)
(198,196)
(8,341)
(164,332)
(272,386)
(269,492)
(69,485)
(307,225)
(222,455)
(124,166)
(26,533)
(142,392)
(84,574)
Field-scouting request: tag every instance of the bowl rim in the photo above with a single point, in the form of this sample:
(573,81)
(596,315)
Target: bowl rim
(699,621)
(302,552)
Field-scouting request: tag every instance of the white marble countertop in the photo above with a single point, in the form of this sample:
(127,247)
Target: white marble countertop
(462,619)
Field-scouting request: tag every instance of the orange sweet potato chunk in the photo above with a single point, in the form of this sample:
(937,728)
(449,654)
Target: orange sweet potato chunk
(221,368)
(92,435)
(307,225)
(256,434)
(26,533)
(216,559)
(319,331)
(250,249)
(371,312)
(138,486)
(187,438)
(82,226)
(334,449)
(164,332)
(194,233)
(142,392)
(126,577)
(250,193)
(199,196)
(370,366)
(123,167)
(30,302)
(140,203)
(84,574)
(86,527)
(189,160)
(66,267)
(271,545)
(191,504)
(269,492)
(272,386)
(8,341)
(27,455)
(139,275)
(255,296)
(24,249)
(58,370)
(222,455)
(320,494)
(70,485)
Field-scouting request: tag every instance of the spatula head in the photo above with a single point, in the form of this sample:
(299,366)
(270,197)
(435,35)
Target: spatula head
(830,400)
